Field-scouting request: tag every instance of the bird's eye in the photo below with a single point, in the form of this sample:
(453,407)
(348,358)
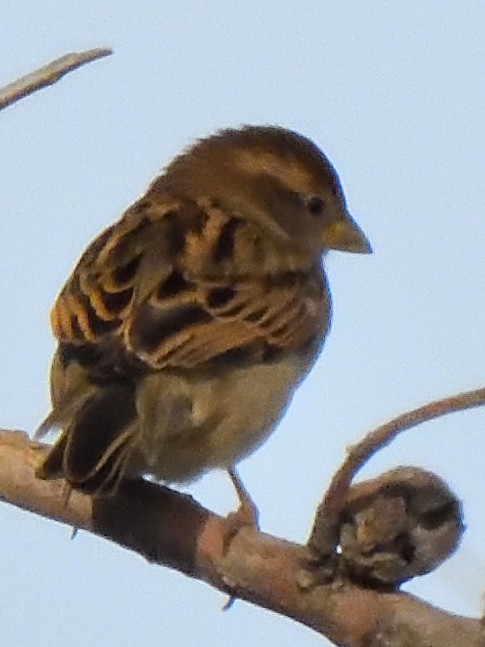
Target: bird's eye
(316,206)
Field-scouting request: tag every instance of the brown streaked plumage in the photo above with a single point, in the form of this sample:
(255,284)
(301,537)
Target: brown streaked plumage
(186,326)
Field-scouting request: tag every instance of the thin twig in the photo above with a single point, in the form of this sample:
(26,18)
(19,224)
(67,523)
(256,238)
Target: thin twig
(48,74)
(323,537)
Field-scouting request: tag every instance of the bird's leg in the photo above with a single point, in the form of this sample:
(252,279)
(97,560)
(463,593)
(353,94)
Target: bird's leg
(247,513)
(247,508)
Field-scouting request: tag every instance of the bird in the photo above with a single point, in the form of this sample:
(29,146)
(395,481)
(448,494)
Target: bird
(186,327)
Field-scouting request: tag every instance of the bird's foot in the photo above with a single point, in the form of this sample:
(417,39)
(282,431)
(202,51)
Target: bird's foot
(246,515)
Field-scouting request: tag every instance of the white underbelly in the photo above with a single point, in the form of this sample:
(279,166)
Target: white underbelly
(192,424)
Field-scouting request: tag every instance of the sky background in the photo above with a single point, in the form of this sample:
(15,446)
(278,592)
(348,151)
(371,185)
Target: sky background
(395,94)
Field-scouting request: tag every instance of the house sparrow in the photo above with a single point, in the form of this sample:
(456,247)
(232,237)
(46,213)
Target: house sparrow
(186,326)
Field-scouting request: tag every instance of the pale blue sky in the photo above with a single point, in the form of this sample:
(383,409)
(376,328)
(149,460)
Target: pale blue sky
(395,94)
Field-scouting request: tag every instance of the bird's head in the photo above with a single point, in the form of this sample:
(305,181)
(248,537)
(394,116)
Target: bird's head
(274,177)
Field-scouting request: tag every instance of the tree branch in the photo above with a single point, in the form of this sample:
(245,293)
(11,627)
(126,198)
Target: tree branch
(48,75)
(324,535)
(171,529)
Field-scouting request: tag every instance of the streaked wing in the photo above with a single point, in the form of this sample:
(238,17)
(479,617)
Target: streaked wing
(206,320)
(153,283)
(99,296)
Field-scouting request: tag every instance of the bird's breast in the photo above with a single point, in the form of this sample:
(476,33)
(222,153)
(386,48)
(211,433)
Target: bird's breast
(192,423)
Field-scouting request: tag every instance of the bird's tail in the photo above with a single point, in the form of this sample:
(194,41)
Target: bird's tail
(98,431)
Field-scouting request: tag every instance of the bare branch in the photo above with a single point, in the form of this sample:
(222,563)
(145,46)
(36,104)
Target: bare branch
(325,532)
(172,529)
(48,75)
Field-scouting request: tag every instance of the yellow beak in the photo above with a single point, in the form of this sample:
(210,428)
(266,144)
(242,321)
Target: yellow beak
(346,235)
